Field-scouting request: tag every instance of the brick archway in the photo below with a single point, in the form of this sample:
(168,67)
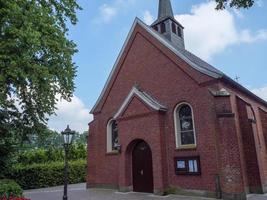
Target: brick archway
(142,170)
(129,162)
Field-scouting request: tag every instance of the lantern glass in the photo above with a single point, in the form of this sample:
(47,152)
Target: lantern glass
(67,135)
(70,138)
(66,138)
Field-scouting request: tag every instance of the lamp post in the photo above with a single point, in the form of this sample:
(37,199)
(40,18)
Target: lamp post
(67,135)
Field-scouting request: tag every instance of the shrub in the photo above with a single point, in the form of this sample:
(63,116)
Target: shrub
(9,188)
(48,174)
(33,156)
(76,151)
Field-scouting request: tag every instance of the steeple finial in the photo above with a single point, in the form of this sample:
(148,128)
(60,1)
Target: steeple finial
(165,9)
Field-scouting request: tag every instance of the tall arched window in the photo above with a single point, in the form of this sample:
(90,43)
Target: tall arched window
(112,135)
(184,126)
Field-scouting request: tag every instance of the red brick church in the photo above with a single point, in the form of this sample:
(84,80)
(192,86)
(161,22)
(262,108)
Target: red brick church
(167,119)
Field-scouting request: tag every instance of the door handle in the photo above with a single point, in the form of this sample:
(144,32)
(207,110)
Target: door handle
(142,172)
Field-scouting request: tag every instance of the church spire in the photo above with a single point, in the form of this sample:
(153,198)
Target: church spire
(167,25)
(165,9)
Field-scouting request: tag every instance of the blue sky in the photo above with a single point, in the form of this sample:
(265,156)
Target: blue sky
(234,41)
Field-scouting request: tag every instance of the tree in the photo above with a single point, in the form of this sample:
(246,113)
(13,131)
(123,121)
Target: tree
(35,64)
(44,139)
(82,138)
(221,4)
(35,60)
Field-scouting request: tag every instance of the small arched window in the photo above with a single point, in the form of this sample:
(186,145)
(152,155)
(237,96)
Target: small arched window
(162,27)
(179,31)
(112,135)
(173,28)
(184,126)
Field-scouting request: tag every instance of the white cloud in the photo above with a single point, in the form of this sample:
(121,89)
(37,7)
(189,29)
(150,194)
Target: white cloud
(246,36)
(148,18)
(107,12)
(72,113)
(261,92)
(209,32)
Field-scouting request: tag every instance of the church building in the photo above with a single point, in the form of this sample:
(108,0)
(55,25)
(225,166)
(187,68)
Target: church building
(167,119)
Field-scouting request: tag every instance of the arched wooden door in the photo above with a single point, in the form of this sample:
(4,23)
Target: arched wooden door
(142,168)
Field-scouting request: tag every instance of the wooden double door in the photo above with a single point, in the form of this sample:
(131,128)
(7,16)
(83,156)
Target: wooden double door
(142,170)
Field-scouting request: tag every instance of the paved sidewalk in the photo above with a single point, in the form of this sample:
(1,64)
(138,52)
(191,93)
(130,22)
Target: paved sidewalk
(79,192)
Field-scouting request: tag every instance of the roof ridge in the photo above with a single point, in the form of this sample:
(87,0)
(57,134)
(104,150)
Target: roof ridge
(152,98)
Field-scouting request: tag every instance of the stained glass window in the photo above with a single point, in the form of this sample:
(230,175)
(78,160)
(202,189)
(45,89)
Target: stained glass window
(185,125)
(114,134)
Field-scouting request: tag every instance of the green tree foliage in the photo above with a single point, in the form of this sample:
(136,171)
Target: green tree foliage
(47,138)
(221,4)
(44,139)
(81,138)
(35,66)
(35,61)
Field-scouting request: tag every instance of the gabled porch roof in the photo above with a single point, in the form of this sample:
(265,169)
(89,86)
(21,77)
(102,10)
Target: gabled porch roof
(145,97)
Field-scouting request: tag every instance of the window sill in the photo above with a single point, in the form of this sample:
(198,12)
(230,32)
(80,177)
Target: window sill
(188,174)
(112,152)
(187,147)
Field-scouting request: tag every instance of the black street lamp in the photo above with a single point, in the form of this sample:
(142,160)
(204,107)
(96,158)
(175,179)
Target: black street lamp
(67,135)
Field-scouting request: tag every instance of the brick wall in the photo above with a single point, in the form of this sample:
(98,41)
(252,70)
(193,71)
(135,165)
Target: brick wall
(258,132)
(171,81)
(263,117)
(249,147)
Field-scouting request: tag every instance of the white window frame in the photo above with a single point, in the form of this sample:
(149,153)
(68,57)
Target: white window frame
(109,136)
(177,128)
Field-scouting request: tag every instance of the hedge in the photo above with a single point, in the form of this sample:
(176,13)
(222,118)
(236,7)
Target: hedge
(9,188)
(51,154)
(48,174)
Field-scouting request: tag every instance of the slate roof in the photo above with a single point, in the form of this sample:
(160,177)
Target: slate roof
(165,9)
(165,12)
(204,67)
(189,57)
(152,100)
(165,18)
(201,63)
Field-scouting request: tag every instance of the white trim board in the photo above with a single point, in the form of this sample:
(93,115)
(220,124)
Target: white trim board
(144,97)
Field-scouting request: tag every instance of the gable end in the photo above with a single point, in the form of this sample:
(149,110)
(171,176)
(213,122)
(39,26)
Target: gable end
(146,98)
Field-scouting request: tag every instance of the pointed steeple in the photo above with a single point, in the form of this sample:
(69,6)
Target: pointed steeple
(167,25)
(165,9)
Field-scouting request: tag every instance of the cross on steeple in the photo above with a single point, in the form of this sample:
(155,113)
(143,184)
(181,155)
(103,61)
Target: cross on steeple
(167,25)
(237,78)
